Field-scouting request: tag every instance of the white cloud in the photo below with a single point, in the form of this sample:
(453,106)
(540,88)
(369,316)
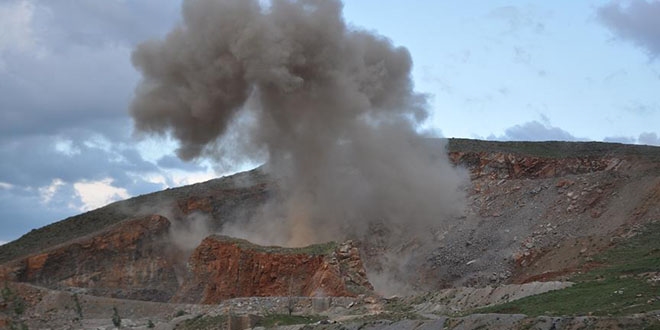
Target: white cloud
(535,131)
(3,242)
(182,178)
(649,138)
(66,147)
(94,194)
(5,185)
(47,192)
(620,139)
(157,178)
(153,148)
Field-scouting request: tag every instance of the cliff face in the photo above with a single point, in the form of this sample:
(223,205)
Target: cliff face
(543,216)
(135,260)
(498,165)
(223,268)
(506,177)
(126,261)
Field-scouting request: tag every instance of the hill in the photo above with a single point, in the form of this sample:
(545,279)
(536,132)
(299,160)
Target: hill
(555,212)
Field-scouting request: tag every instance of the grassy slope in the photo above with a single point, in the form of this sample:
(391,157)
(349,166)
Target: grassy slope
(267,321)
(202,322)
(622,285)
(273,320)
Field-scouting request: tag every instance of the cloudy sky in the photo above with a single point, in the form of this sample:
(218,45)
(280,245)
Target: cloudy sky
(505,70)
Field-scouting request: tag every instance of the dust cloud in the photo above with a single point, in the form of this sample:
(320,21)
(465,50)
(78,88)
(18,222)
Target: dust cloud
(187,233)
(328,107)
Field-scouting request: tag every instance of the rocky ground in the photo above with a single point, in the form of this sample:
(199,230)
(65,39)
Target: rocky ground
(57,309)
(573,222)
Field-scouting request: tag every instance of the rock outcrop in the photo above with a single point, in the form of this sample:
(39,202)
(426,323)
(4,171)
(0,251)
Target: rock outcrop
(128,260)
(223,267)
(544,209)
(499,165)
(136,260)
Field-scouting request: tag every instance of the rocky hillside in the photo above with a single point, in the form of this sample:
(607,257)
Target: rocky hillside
(128,260)
(539,210)
(226,198)
(222,268)
(536,211)
(135,259)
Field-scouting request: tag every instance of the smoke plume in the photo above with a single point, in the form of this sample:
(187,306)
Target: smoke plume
(330,107)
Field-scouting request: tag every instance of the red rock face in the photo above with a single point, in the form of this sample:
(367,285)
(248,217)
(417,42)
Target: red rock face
(202,204)
(496,165)
(126,261)
(135,260)
(223,268)
(211,201)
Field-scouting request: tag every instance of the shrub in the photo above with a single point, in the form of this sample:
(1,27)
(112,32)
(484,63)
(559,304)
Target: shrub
(116,319)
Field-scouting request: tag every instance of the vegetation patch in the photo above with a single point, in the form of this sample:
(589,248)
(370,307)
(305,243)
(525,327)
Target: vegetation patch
(389,316)
(396,309)
(12,305)
(627,283)
(273,320)
(398,305)
(203,322)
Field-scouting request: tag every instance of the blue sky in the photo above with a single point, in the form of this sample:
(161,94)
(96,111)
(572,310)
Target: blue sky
(492,67)
(506,70)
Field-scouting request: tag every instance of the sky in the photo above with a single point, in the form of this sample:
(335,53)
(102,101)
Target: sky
(498,70)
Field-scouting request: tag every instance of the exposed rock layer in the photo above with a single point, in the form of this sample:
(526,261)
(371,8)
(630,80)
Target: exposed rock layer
(223,267)
(540,211)
(129,260)
(136,260)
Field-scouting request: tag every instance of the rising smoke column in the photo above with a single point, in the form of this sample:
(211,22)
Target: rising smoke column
(332,107)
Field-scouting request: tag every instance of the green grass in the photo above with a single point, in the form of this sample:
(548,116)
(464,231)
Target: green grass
(619,287)
(611,296)
(395,309)
(272,320)
(389,316)
(202,322)
(398,305)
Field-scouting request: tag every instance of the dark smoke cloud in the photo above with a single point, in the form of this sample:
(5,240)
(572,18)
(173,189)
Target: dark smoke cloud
(331,107)
(638,22)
